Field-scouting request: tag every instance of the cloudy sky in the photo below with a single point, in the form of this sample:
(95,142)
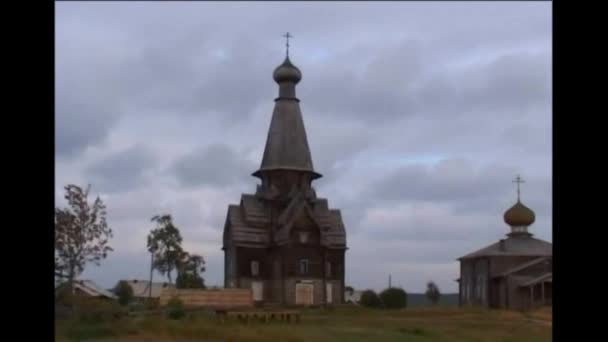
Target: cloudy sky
(419,115)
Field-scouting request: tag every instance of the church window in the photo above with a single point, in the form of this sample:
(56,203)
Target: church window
(304,266)
(255,267)
(304,237)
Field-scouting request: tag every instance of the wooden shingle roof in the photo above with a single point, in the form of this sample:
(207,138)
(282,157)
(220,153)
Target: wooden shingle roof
(248,224)
(514,246)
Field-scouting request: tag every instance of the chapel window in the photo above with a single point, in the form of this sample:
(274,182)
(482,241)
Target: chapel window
(255,267)
(304,265)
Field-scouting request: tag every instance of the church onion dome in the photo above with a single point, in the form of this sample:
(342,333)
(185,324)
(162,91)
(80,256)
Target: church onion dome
(519,215)
(287,72)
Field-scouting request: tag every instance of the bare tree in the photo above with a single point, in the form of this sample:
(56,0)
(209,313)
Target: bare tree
(81,234)
(165,244)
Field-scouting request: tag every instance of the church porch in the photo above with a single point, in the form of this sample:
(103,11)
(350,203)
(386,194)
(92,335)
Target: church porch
(538,291)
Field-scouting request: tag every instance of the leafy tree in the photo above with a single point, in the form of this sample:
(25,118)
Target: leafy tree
(349,289)
(432,292)
(81,234)
(124,291)
(393,298)
(165,244)
(370,299)
(189,272)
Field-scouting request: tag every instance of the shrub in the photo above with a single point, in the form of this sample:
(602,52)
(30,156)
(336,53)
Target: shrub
(152,304)
(136,306)
(393,298)
(370,299)
(433,293)
(95,310)
(175,308)
(124,292)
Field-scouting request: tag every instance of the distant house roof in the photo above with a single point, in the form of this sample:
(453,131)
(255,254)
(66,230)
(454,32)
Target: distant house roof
(141,288)
(92,289)
(523,266)
(514,246)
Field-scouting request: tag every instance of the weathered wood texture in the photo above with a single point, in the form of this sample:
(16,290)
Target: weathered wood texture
(223,298)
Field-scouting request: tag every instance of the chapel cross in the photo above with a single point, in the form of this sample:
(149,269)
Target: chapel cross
(518,180)
(287,36)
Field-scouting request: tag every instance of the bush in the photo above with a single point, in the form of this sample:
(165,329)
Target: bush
(93,310)
(433,293)
(152,304)
(175,308)
(393,298)
(124,292)
(370,299)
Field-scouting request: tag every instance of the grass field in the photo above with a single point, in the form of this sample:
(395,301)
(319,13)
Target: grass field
(338,324)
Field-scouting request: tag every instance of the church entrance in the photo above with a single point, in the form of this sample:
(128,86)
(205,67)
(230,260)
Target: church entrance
(304,294)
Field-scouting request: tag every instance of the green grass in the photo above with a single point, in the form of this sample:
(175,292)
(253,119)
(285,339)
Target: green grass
(339,324)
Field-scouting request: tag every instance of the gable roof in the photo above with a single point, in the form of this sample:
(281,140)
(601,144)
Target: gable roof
(514,246)
(547,277)
(523,266)
(89,287)
(248,224)
(141,288)
(240,232)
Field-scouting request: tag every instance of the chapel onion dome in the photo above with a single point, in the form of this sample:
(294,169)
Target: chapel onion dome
(287,72)
(519,215)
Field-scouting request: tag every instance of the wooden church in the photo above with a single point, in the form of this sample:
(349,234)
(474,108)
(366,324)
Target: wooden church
(284,242)
(513,273)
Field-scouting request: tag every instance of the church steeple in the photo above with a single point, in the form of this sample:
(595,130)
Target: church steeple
(287,144)
(519,217)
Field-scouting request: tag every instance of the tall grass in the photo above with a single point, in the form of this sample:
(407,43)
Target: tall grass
(337,324)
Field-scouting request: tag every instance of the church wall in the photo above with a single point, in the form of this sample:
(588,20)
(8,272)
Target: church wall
(338,291)
(502,295)
(314,255)
(336,261)
(517,300)
(230,275)
(245,283)
(244,258)
(466,278)
(480,279)
(276,282)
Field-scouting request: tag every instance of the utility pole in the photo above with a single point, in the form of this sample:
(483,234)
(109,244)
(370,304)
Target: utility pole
(151,273)
(389,280)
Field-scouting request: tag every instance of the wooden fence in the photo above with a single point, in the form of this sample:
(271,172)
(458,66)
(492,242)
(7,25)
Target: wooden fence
(216,298)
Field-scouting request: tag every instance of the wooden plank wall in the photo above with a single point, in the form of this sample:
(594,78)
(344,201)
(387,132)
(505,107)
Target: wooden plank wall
(209,298)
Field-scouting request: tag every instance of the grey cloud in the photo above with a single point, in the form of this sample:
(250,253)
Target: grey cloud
(448,180)
(122,171)
(215,165)
(79,125)
(384,86)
